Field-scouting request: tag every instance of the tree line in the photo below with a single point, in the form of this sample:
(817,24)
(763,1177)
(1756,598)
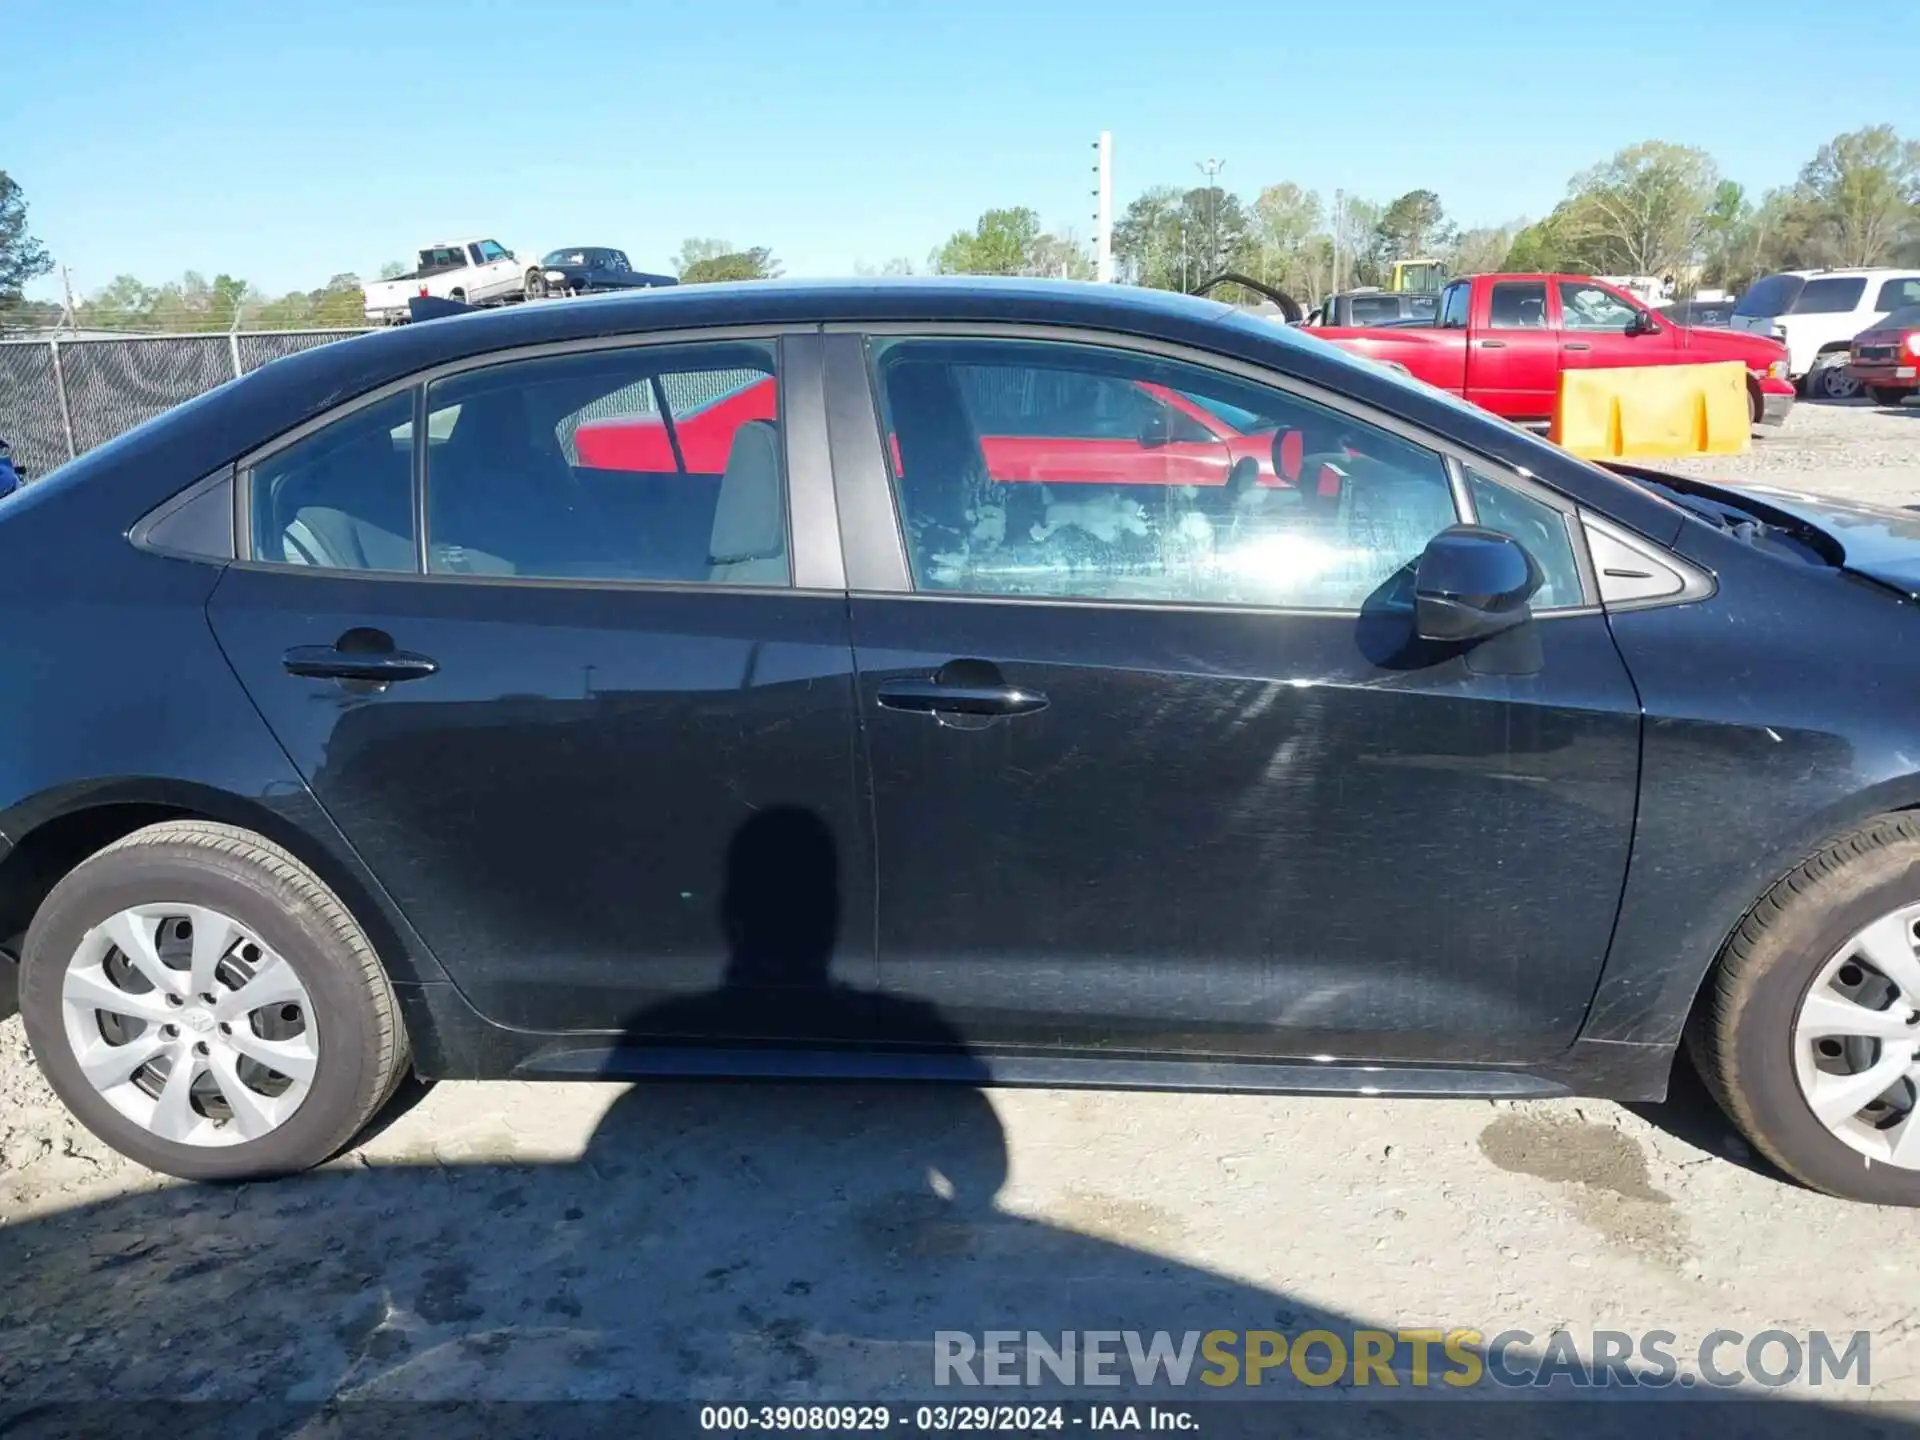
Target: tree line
(1652,209)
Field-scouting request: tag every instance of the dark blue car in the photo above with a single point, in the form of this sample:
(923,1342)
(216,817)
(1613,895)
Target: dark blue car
(10,476)
(370,730)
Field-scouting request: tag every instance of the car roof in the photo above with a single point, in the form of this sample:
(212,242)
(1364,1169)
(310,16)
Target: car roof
(216,429)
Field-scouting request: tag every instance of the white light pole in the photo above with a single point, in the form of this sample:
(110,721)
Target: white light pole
(1103,212)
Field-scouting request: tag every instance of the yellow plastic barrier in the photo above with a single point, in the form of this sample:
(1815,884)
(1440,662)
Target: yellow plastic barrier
(1653,410)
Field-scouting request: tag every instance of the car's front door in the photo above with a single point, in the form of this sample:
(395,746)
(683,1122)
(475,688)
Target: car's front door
(1597,330)
(599,747)
(1161,776)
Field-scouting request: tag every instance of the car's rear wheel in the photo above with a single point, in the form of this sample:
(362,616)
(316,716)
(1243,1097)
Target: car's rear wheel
(1809,1033)
(536,285)
(1888,394)
(207,1007)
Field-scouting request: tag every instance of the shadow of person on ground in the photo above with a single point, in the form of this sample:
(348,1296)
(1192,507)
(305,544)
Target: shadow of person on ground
(714,1242)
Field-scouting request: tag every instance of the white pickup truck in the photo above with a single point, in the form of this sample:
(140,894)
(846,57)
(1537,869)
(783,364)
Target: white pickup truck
(478,272)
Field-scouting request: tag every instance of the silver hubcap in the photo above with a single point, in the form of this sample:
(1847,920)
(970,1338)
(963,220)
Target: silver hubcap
(189,1026)
(1836,384)
(1856,1041)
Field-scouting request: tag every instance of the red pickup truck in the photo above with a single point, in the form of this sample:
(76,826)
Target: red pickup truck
(1501,342)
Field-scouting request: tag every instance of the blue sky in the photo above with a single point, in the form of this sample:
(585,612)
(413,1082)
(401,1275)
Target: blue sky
(286,143)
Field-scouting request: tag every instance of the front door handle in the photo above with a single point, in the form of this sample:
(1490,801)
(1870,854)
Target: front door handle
(935,697)
(325,662)
(1493,344)
(1576,345)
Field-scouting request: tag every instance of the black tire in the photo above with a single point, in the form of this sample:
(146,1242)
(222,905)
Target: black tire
(363,1052)
(1888,395)
(1741,1035)
(536,287)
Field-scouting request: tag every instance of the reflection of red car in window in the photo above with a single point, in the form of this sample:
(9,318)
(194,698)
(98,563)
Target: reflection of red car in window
(1184,442)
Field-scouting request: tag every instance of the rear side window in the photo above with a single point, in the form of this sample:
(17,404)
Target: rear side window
(658,463)
(342,497)
(1519,305)
(1896,293)
(1540,528)
(1298,506)
(1372,309)
(1770,295)
(1832,296)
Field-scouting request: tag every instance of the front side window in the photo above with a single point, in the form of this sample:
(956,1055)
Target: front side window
(1896,293)
(1770,295)
(1519,305)
(1588,307)
(342,497)
(1453,306)
(490,251)
(1009,484)
(1540,528)
(1835,295)
(657,463)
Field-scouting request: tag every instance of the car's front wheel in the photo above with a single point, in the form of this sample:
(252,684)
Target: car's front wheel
(1809,1032)
(207,1007)
(536,285)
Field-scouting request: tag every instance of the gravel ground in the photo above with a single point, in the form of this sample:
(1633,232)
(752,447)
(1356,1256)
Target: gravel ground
(1859,450)
(713,1242)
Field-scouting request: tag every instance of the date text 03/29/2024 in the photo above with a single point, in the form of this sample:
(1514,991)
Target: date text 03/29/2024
(947,1419)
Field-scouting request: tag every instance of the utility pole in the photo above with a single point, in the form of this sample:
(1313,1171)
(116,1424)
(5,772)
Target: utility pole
(66,287)
(1103,212)
(1211,169)
(1339,229)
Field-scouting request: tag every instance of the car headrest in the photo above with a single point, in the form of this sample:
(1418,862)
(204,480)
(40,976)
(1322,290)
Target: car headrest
(749,520)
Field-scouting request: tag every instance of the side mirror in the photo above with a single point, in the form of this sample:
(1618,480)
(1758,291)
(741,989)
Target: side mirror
(1642,323)
(1154,430)
(1472,582)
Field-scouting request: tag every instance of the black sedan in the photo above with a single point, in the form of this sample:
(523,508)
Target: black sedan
(587,270)
(917,691)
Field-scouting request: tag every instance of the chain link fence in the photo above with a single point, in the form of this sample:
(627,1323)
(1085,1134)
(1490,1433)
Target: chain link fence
(63,395)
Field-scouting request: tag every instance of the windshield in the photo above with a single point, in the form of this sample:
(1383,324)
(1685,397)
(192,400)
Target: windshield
(564,257)
(1770,296)
(1833,296)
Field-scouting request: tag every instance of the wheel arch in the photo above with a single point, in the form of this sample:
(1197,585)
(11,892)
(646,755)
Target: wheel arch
(1696,969)
(50,835)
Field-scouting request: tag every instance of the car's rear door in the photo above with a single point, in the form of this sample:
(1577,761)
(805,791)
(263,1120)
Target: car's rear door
(601,753)
(1514,350)
(1154,776)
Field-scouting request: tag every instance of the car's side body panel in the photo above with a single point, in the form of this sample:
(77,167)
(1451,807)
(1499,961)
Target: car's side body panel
(1776,714)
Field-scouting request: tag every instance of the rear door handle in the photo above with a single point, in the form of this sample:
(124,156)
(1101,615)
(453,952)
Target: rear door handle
(324,662)
(932,697)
